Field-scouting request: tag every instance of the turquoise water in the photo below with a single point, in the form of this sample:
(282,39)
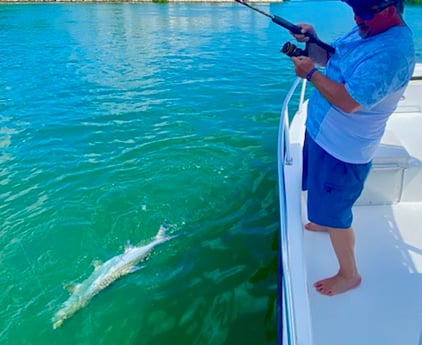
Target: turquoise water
(114,117)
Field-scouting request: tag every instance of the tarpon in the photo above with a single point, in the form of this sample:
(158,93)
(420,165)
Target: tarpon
(105,274)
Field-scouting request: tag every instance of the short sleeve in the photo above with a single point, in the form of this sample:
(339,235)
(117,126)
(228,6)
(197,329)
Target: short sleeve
(376,77)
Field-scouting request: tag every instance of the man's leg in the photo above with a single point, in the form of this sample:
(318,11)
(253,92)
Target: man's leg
(315,227)
(343,241)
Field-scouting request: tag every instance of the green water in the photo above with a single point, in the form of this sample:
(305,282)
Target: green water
(115,117)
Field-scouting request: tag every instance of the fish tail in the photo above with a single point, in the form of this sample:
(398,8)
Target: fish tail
(161,234)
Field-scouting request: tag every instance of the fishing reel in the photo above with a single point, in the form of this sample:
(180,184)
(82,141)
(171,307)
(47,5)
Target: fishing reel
(292,50)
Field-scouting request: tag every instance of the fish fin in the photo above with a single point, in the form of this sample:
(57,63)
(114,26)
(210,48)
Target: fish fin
(97,264)
(71,287)
(162,231)
(134,269)
(128,247)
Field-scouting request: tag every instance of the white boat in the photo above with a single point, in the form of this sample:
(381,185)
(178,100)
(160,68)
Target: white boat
(386,309)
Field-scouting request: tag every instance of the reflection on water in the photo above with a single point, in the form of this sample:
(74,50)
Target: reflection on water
(117,116)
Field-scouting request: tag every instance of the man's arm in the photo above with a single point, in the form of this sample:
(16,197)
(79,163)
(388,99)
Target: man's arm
(334,92)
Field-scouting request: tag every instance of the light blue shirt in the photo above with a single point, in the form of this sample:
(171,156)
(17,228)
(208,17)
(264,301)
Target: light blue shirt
(375,71)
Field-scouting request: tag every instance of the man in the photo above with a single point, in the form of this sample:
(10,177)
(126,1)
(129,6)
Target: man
(347,113)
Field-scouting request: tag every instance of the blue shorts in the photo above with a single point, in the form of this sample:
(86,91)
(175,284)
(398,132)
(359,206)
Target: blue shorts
(333,186)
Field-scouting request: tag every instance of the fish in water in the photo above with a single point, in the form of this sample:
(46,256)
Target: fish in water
(105,274)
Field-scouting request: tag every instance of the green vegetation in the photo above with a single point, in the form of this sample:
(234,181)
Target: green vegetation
(413,2)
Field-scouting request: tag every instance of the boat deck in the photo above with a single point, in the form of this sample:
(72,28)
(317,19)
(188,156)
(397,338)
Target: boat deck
(387,307)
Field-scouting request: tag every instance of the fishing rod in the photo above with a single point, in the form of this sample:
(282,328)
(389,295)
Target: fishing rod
(292,28)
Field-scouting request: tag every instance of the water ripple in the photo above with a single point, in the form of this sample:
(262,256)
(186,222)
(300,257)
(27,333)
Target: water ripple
(116,116)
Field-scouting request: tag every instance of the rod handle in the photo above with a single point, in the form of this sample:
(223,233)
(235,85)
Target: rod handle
(286,24)
(297,30)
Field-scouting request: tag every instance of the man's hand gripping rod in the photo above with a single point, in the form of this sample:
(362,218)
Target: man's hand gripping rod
(291,27)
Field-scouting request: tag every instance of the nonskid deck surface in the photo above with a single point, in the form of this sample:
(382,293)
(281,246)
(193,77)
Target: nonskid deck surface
(387,308)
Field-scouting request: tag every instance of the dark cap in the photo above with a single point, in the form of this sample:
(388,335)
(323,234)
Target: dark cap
(370,3)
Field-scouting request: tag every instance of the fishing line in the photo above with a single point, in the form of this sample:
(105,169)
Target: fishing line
(31,266)
(291,27)
(26,255)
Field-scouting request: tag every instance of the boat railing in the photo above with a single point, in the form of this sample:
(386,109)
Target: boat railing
(287,334)
(285,120)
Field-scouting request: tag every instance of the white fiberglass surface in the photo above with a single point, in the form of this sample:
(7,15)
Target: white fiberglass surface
(387,308)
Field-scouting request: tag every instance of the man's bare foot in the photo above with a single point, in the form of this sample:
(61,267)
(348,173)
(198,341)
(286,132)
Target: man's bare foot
(337,284)
(315,227)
